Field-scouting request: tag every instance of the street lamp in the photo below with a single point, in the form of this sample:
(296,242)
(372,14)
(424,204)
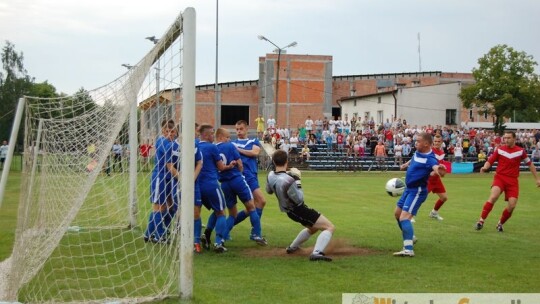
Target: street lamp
(278,50)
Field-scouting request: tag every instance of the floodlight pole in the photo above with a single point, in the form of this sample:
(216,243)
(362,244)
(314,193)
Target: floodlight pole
(279,50)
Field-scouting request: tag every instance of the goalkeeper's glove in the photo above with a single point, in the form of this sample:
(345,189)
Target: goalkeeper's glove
(297,175)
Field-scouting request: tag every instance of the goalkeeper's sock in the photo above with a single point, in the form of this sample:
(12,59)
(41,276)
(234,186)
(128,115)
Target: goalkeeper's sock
(322,241)
(197,227)
(240,217)
(303,236)
(255,223)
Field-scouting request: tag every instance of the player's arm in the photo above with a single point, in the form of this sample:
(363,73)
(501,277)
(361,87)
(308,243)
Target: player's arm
(486,167)
(172,168)
(240,165)
(254,152)
(533,171)
(439,170)
(198,167)
(222,167)
(405,165)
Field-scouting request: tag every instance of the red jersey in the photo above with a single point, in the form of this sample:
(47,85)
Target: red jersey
(509,160)
(145,150)
(439,154)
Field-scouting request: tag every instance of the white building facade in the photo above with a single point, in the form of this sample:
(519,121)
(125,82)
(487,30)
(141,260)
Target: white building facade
(427,105)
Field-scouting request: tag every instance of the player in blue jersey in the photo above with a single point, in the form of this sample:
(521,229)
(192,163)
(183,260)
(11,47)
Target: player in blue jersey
(420,167)
(234,184)
(211,193)
(163,183)
(249,152)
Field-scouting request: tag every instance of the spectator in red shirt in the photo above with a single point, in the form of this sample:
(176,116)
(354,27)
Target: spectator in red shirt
(144,151)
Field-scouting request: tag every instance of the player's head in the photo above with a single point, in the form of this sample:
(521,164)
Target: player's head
(222,135)
(206,133)
(241,129)
(423,142)
(509,138)
(279,158)
(437,141)
(169,129)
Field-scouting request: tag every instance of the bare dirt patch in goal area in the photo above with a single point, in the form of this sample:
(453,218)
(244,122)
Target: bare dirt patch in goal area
(338,248)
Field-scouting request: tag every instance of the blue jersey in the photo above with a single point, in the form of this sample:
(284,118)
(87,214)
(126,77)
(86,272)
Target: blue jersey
(250,163)
(210,156)
(164,155)
(228,153)
(420,168)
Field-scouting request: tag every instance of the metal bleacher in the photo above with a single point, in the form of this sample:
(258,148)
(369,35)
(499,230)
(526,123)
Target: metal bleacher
(322,159)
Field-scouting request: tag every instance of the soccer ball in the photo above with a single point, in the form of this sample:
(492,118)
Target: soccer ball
(395,187)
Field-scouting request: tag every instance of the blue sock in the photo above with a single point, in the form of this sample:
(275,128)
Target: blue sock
(240,217)
(221,226)
(253,229)
(197,226)
(211,224)
(151,226)
(168,216)
(229,225)
(407,232)
(155,225)
(255,223)
(399,224)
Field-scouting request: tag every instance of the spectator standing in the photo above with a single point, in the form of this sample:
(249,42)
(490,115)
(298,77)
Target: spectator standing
(3,153)
(260,126)
(117,156)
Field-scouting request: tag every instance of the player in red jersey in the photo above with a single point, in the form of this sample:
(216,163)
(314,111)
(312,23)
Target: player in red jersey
(435,183)
(509,157)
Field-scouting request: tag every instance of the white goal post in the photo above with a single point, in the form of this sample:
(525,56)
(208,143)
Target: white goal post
(85,183)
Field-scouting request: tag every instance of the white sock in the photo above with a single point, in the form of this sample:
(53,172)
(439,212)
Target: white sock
(303,236)
(322,241)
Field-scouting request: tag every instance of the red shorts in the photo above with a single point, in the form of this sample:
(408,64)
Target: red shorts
(508,185)
(435,184)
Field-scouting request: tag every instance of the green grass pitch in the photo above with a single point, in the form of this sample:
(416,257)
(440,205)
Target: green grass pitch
(450,255)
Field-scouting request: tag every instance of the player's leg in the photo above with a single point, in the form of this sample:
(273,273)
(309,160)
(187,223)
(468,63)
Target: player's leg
(155,230)
(443,197)
(488,205)
(507,213)
(410,202)
(233,211)
(327,230)
(511,192)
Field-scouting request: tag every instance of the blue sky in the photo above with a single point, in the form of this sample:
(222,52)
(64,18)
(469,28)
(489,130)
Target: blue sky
(75,44)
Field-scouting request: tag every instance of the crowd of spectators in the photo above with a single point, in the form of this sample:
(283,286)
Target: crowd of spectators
(359,137)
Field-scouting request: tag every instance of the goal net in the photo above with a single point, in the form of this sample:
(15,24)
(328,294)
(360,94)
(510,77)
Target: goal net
(85,200)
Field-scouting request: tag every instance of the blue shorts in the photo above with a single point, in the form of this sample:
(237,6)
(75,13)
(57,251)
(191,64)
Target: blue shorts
(411,200)
(162,189)
(236,187)
(212,196)
(253,182)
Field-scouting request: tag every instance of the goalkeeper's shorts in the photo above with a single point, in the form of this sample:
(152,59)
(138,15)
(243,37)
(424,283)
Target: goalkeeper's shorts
(304,215)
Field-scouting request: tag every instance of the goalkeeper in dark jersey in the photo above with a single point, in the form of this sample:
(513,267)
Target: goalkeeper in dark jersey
(288,190)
